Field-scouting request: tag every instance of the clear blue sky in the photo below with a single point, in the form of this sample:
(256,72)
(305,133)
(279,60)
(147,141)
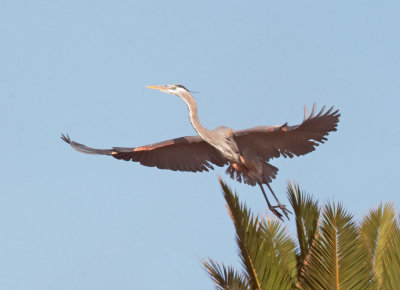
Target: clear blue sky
(74,221)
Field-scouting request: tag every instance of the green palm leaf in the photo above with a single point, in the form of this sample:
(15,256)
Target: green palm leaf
(225,277)
(333,252)
(264,247)
(381,237)
(283,244)
(337,259)
(306,211)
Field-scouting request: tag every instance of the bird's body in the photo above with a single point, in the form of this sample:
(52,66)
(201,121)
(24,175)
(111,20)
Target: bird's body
(225,144)
(246,152)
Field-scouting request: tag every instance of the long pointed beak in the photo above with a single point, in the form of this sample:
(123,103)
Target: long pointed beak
(160,88)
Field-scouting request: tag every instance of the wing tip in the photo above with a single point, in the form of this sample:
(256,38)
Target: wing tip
(84,149)
(322,113)
(65,138)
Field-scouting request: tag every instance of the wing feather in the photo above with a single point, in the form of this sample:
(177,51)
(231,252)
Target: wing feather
(189,153)
(273,141)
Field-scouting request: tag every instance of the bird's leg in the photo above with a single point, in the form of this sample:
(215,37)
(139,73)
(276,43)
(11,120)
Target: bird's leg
(271,208)
(282,207)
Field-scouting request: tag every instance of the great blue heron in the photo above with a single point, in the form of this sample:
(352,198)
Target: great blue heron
(247,152)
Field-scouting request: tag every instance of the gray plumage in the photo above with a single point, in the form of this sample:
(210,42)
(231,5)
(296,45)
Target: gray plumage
(247,152)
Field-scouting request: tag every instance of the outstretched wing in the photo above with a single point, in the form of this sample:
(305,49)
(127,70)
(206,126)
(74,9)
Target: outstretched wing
(184,154)
(274,141)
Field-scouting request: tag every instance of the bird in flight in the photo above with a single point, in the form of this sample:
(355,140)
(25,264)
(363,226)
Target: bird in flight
(246,152)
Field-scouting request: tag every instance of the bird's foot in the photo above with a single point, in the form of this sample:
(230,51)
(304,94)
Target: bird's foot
(276,213)
(283,208)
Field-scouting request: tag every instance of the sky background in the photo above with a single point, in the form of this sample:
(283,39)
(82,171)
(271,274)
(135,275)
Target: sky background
(74,221)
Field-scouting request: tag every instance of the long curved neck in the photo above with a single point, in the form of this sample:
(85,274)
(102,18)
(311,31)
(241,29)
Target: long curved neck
(193,116)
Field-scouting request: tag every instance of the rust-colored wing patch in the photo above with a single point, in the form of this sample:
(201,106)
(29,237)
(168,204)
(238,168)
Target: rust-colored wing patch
(154,146)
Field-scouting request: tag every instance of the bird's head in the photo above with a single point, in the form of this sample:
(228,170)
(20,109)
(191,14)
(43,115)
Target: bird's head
(177,90)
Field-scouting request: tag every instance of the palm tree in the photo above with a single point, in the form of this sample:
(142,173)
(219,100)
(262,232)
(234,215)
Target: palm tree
(332,250)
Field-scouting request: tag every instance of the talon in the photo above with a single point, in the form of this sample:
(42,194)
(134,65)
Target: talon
(276,213)
(273,208)
(283,209)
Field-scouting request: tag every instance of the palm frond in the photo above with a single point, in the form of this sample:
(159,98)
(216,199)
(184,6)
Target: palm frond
(243,222)
(306,211)
(337,259)
(284,245)
(225,277)
(258,251)
(381,237)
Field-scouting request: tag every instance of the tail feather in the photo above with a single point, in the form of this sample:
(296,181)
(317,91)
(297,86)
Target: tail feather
(269,173)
